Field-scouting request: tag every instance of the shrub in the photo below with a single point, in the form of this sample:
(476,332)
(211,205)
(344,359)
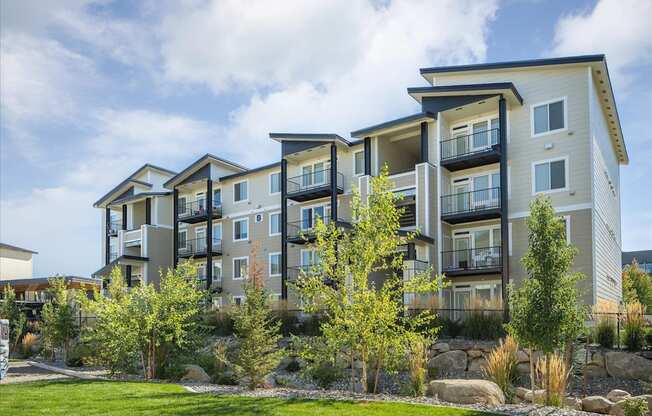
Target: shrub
(219,322)
(293,366)
(483,325)
(417,360)
(324,374)
(502,363)
(636,407)
(558,377)
(79,355)
(604,332)
(450,327)
(28,344)
(634,328)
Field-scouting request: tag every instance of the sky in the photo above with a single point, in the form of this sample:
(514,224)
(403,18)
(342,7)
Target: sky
(92,90)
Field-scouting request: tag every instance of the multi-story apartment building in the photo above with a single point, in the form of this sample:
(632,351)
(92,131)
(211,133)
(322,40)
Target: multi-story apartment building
(487,140)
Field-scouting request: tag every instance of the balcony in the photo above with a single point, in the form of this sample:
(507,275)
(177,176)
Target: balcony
(198,248)
(471,150)
(313,185)
(303,232)
(481,204)
(216,283)
(485,260)
(296,272)
(133,238)
(413,268)
(114,227)
(408,218)
(197,211)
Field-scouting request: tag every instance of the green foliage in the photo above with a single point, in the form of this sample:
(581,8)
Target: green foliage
(637,285)
(10,309)
(450,327)
(293,366)
(257,331)
(219,322)
(604,332)
(483,325)
(144,325)
(364,323)
(635,407)
(59,326)
(324,374)
(417,361)
(80,355)
(545,311)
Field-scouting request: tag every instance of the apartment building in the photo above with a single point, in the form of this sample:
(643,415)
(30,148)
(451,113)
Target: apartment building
(15,262)
(487,139)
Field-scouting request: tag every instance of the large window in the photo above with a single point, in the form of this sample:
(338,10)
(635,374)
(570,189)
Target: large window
(217,231)
(217,271)
(310,215)
(550,176)
(548,117)
(358,163)
(183,239)
(240,268)
(241,229)
(240,191)
(315,174)
(217,198)
(274,183)
(274,264)
(274,223)
(181,205)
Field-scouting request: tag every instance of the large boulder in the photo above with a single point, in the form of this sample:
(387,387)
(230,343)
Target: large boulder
(617,395)
(441,347)
(523,356)
(467,392)
(195,374)
(595,371)
(628,366)
(572,403)
(477,365)
(596,404)
(451,362)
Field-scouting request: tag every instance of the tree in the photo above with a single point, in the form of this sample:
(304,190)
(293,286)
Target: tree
(365,323)
(256,330)
(10,309)
(545,311)
(59,326)
(637,285)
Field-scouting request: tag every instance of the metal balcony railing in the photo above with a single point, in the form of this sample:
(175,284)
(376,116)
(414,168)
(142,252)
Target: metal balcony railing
(413,268)
(297,271)
(114,227)
(473,201)
(471,259)
(305,228)
(469,144)
(198,208)
(198,247)
(313,180)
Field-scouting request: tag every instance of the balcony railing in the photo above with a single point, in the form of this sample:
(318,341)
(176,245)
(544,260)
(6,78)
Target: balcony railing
(133,238)
(466,202)
(114,227)
(198,247)
(305,229)
(197,208)
(475,259)
(413,268)
(469,144)
(313,181)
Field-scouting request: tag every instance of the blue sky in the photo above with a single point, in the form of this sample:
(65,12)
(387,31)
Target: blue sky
(91,90)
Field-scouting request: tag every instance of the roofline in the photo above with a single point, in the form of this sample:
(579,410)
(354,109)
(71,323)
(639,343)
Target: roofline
(32,280)
(25,250)
(413,117)
(120,185)
(139,196)
(324,137)
(514,64)
(468,87)
(254,170)
(149,165)
(194,165)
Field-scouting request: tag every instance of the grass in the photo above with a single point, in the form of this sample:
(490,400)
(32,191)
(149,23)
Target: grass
(134,398)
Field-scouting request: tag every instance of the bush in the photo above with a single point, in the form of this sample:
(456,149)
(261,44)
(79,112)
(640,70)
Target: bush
(79,355)
(28,344)
(324,374)
(483,325)
(604,332)
(293,366)
(219,323)
(634,328)
(558,377)
(417,360)
(501,367)
(450,327)
(636,407)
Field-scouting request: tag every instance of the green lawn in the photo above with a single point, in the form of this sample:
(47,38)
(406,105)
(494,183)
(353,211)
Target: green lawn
(121,398)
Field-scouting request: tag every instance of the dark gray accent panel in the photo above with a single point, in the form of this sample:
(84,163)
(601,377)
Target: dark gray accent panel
(289,147)
(504,220)
(437,104)
(124,217)
(424,142)
(209,234)
(284,229)
(367,155)
(333,182)
(203,173)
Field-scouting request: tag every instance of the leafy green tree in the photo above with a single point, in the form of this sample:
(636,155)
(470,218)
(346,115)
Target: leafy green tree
(59,328)
(10,309)
(365,323)
(546,313)
(257,331)
(637,285)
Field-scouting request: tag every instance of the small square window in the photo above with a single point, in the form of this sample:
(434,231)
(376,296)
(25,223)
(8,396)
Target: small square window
(241,229)
(240,192)
(550,176)
(358,160)
(275,264)
(275,183)
(548,117)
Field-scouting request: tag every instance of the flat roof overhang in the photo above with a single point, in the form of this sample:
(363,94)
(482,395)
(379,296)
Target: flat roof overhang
(125,260)
(42,283)
(507,89)
(399,123)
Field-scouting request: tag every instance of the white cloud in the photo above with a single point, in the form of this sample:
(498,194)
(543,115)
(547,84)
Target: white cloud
(619,28)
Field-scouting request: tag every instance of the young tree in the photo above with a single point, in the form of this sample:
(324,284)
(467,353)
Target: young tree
(59,327)
(637,285)
(545,311)
(366,323)
(257,331)
(10,309)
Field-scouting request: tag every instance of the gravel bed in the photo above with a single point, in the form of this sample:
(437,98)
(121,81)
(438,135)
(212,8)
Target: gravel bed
(21,371)
(602,386)
(285,393)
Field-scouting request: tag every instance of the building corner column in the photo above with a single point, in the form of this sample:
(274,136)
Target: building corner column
(424,142)
(209,234)
(175,226)
(367,156)
(284,229)
(148,211)
(504,209)
(107,236)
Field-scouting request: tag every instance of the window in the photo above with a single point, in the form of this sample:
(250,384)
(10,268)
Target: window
(241,229)
(183,239)
(240,191)
(181,205)
(238,300)
(201,202)
(274,264)
(217,271)
(550,176)
(309,216)
(309,258)
(548,117)
(217,198)
(240,268)
(274,223)
(217,232)
(274,183)
(358,163)
(315,174)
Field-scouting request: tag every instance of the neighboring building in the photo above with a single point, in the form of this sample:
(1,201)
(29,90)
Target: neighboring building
(15,262)
(487,140)
(643,258)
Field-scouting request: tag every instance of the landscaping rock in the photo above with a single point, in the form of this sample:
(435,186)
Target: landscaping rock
(539,396)
(523,368)
(461,344)
(572,403)
(617,395)
(451,362)
(477,365)
(520,392)
(595,371)
(441,347)
(596,404)
(598,358)
(523,357)
(195,373)
(474,353)
(629,366)
(467,392)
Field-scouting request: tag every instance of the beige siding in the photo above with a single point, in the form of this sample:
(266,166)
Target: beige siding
(15,264)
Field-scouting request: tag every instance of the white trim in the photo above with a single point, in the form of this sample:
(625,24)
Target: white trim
(363,162)
(509,182)
(549,161)
(269,183)
(233,267)
(233,227)
(594,280)
(251,211)
(269,261)
(548,132)
(564,208)
(248,193)
(305,250)
(242,298)
(427,205)
(269,227)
